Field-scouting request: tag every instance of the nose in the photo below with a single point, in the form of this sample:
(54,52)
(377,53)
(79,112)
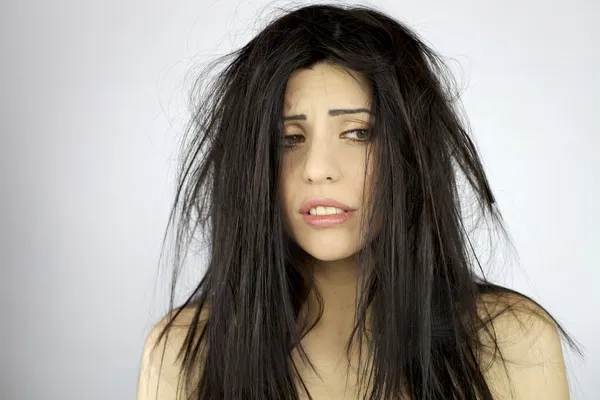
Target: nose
(321,164)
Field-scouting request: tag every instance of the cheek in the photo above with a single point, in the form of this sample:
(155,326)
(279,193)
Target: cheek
(286,186)
(358,173)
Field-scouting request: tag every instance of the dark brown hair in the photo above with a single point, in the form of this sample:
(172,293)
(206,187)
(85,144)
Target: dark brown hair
(426,281)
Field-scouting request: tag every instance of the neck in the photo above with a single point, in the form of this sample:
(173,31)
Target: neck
(337,283)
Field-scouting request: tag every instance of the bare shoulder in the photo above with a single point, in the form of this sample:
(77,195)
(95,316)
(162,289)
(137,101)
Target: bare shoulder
(529,342)
(161,365)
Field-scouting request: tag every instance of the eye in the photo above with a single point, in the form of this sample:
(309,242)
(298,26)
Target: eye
(362,135)
(359,132)
(291,138)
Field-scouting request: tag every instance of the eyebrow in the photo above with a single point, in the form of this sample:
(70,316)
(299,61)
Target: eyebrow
(334,112)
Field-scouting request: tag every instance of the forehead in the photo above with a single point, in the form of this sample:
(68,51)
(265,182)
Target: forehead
(326,83)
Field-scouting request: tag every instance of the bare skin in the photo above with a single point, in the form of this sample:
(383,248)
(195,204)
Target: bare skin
(328,160)
(327,163)
(531,343)
(326,343)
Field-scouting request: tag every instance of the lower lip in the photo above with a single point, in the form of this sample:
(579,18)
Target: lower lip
(325,221)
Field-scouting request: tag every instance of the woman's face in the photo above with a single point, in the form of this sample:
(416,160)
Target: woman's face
(326,114)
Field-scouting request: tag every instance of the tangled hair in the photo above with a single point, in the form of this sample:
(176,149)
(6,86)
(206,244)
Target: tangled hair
(417,272)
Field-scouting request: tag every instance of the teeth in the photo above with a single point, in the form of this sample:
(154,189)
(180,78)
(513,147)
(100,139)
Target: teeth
(320,210)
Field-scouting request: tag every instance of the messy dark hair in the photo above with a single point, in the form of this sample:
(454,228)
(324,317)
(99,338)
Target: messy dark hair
(419,272)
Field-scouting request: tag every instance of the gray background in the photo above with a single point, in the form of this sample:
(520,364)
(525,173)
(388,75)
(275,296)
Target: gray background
(93,103)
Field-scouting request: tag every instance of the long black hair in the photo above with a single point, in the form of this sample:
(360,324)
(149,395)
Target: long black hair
(419,273)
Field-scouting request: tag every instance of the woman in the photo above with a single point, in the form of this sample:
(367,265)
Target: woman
(324,163)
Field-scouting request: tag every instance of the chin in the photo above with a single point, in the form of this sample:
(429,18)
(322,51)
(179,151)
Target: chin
(329,247)
(329,256)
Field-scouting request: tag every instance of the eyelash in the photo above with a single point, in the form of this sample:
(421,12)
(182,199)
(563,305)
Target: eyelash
(350,131)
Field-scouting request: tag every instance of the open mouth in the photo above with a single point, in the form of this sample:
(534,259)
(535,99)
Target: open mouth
(308,213)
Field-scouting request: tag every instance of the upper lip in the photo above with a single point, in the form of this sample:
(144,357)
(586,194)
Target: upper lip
(323,201)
